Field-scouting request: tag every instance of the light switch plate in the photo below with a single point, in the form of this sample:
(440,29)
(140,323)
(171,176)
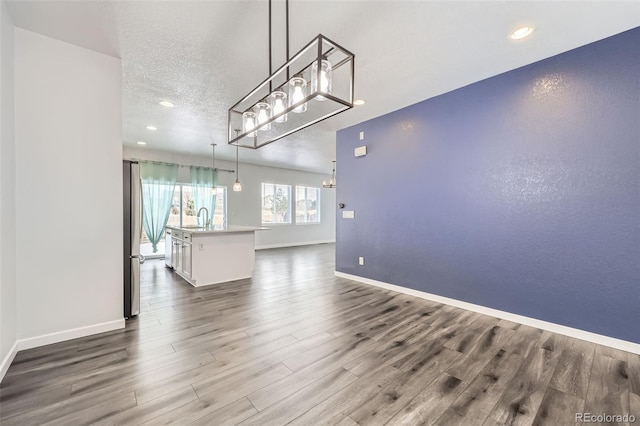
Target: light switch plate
(348,214)
(360,151)
(361,136)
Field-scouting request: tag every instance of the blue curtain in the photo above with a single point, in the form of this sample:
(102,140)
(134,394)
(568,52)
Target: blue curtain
(158,184)
(202,181)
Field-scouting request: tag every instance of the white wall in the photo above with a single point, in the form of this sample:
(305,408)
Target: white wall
(68,124)
(243,208)
(8,292)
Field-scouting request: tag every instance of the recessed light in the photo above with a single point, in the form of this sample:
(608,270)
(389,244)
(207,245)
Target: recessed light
(166,104)
(522,32)
(359,102)
(141,143)
(150,127)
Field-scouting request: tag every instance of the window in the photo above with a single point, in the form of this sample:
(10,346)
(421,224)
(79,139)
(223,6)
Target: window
(183,214)
(220,215)
(276,203)
(188,216)
(307,204)
(188,210)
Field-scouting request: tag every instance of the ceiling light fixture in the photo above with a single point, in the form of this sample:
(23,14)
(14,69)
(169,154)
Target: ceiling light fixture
(522,32)
(332,181)
(313,85)
(150,127)
(237,186)
(359,102)
(167,104)
(141,143)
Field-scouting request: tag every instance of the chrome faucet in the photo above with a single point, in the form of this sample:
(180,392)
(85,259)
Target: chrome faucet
(206,221)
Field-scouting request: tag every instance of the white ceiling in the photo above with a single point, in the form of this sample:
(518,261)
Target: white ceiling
(206,55)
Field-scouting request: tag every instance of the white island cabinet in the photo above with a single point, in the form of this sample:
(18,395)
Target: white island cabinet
(211,256)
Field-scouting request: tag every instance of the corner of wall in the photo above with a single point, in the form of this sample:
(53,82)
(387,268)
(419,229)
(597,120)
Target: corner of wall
(8,284)
(54,304)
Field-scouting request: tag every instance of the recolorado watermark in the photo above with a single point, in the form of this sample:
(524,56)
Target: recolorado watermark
(605,418)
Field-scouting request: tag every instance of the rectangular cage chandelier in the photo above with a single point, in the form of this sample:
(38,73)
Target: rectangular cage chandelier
(315,84)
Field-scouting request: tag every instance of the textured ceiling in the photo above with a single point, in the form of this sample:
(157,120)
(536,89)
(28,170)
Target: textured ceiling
(206,55)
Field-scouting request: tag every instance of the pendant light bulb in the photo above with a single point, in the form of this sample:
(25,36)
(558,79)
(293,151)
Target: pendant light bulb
(249,123)
(237,187)
(325,78)
(278,101)
(297,92)
(263,114)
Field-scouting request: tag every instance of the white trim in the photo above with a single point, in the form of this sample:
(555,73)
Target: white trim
(74,333)
(8,359)
(544,325)
(61,336)
(307,243)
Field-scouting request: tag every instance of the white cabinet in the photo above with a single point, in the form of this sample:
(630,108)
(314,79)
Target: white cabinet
(181,253)
(213,256)
(168,247)
(186,259)
(175,253)
(185,254)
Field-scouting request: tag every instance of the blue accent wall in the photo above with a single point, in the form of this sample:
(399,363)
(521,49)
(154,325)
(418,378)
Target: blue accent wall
(520,192)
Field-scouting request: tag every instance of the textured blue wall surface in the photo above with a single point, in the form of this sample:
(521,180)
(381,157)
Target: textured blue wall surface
(520,192)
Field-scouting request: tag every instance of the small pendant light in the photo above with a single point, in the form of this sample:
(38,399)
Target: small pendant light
(237,186)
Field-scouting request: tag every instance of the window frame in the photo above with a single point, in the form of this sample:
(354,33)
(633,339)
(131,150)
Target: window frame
(218,187)
(318,210)
(289,210)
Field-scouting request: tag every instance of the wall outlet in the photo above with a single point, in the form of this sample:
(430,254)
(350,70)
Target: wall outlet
(201,246)
(361,261)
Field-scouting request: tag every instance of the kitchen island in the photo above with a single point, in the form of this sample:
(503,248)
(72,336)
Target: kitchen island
(205,256)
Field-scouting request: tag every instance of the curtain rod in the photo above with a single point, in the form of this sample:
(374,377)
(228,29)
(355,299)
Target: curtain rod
(181,165)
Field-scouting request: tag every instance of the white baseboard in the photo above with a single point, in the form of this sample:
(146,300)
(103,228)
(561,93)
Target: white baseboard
(307,243)
(8,359)
(61,336)
(532,322)
(74,333)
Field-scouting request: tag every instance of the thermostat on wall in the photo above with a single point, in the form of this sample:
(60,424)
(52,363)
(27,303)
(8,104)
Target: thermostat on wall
(360,151)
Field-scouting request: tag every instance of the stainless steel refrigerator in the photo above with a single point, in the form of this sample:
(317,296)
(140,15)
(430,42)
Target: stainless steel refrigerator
(132,191)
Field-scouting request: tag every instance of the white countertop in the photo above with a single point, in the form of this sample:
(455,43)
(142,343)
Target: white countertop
(228,229)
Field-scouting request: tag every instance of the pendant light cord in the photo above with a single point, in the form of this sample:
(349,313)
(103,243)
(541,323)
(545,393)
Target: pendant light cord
(237,146)
(287,33)
(270,43)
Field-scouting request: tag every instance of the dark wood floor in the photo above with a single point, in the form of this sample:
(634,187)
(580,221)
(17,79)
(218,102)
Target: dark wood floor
(296,345)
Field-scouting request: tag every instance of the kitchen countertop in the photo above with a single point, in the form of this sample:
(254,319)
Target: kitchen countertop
(228,229)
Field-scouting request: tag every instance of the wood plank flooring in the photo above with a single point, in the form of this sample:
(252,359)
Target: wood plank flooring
(296,345)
